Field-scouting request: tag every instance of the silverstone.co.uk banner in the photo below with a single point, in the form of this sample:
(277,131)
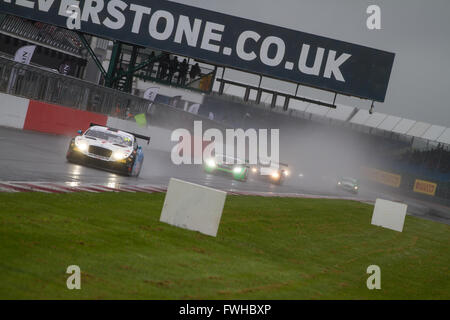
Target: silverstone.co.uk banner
(225,40)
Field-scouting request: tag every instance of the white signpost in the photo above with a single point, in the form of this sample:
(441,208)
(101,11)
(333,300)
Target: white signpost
(193,207)
(389,214)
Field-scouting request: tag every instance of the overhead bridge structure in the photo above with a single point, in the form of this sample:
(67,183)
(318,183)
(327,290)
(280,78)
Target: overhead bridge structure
(141,32)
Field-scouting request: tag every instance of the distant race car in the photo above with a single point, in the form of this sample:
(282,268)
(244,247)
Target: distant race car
(273,173)
(109,149)
(348,184)
(229,166)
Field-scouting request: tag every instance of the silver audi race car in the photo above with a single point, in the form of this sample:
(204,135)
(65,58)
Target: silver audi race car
(109,149)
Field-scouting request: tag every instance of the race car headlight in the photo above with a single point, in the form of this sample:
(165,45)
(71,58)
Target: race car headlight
(254,169)
(211,163)
(237,169)
(339,183)
(119,155)
(82,145)
(275,175)
(286,172)
(356,187)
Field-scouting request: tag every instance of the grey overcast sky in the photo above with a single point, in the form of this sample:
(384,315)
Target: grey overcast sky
(418,31)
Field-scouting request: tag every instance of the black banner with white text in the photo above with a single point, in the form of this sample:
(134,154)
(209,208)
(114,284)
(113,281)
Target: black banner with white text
(223,40)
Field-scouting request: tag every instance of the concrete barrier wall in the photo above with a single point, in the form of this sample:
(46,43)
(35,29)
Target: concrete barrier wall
(49,118)
(26,114)
(13,111)
(20,113)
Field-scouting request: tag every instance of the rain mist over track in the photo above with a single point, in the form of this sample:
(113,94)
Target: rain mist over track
(32,156)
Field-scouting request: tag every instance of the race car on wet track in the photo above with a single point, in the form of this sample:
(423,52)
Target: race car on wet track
(273,173)
(109,149)
(229,166)
(348,184)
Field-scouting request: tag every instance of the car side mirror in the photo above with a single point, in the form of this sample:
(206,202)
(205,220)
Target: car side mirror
(80,132)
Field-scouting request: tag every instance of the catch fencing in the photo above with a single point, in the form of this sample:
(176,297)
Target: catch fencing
(49,86)
(46,85)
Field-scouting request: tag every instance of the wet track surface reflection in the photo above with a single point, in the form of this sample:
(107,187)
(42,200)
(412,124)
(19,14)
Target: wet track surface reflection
(37,157)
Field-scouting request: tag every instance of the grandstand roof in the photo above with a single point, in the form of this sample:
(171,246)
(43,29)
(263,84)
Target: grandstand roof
(42,34)
(385,122)
(444,137)
(362,118)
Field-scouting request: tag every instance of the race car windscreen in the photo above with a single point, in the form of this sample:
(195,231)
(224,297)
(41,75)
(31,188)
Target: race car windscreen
(223,159)
(110,137)
(351,180)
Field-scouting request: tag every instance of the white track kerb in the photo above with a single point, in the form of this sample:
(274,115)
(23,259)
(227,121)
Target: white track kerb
(193,207)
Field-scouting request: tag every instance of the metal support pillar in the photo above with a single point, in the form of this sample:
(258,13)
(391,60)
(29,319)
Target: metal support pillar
(213,80)
(112,69)
(92,54)
(130,72)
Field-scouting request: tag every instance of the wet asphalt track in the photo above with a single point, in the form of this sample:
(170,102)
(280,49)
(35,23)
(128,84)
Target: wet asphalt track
(37,157)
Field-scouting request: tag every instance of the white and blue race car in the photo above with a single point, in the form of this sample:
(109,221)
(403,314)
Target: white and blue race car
(109,149)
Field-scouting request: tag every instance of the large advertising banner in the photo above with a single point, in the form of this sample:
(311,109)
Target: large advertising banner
(223,40)
(425,187)
(383,177)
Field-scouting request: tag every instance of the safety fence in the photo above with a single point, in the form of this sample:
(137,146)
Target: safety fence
(50,86)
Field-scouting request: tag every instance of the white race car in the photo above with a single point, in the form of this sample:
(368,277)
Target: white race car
(109,149)
(274,173)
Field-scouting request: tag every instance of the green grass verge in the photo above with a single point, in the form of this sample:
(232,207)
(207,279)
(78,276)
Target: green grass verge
(266,248)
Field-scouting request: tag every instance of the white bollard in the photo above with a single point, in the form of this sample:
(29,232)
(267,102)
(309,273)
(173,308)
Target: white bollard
(389,214)
(193,207)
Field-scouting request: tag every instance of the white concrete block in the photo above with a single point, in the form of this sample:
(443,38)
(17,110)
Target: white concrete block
(193,207)
(444,137)
(433,132)
(389,214)
(418,129)
(13,111)
(403,126)
(360,117)
(241,77)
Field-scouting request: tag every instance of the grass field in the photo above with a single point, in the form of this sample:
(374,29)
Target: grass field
(266,248)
